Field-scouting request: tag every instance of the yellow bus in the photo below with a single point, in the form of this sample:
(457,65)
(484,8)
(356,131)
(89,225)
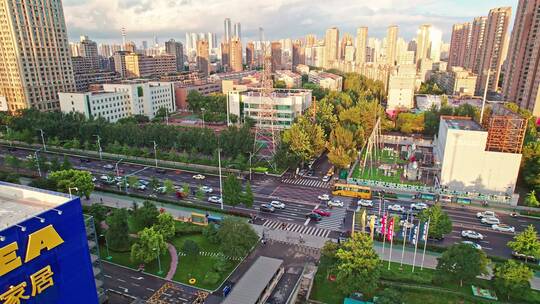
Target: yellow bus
(351,191)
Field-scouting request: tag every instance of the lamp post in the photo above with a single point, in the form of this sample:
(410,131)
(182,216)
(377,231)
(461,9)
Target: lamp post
(160,272)
(203,109)
(116,167)
(155,152)
(108,257)
(220,178)
(43,140)
(99,146)
(37,162)
(250,156)
(69,190)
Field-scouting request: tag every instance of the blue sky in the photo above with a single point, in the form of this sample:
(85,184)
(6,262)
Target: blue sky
(103,19)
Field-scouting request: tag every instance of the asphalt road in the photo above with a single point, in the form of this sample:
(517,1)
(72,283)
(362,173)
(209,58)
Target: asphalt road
(301,199)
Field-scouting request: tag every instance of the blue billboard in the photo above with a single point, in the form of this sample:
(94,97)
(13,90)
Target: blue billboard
(45,258)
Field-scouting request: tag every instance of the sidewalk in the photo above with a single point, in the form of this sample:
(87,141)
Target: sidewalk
(290,237)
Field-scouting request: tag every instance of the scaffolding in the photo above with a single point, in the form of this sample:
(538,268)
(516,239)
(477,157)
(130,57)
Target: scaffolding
(373,146)
(170,293)
(506,133)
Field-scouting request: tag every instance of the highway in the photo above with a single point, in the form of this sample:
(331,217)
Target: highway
(300,198)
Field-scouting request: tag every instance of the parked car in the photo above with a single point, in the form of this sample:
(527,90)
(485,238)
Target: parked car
(207,189)
(503,228)
(365,203)
(396,207)
(141,187)
(277,204)
(314,216)
(490,221)
(486,214)
(324,197)
(144,182)
(180,194)
(160,190)
(199,176)
(214,199)
(104,178)
(122,184)
(419,206)
(521,256)
(94,179)
(475,246)
(472,235)
(267,208)
(335,203)
(326,178)
(322,212)
(108,167)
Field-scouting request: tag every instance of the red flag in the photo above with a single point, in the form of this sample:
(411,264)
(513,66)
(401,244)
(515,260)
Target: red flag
(390,233)
(383,225)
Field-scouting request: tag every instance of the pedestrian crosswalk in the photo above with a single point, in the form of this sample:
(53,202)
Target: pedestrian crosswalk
(334,222)
(306,182)
(302,229)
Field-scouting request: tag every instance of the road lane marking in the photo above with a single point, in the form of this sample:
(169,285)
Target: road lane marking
(120,280)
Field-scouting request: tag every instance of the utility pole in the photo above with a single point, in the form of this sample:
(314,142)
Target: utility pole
(99,146)
(43,140)
(37,162)
(250,156)
(485,95)
(203,109)
(155,152)
(220,178)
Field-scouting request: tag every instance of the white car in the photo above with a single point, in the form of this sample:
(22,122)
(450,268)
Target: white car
(503,228)
(108,167)
(335,203)
(396,207)
(365,203)
(161,189)
(122,184)
(141,187)
(490,221)
(324,197)
(472,235)
(199,176)
(207,189)
(104,178)
(94,179)
(214,199)
(486,214)
(326,178)
(476,246)
(277,204)
(119,178)
(419,206)
(144,182)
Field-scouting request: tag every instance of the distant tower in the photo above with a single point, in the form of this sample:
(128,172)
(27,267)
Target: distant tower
(238,31)
(227,29)
(123,38)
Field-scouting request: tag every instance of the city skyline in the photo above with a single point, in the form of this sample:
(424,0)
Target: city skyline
(144,20)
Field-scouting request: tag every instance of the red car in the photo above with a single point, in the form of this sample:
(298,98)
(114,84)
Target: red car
(322,212)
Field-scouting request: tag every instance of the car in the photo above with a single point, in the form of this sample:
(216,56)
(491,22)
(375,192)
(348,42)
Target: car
(207,189)
(214,199)
(521,256)
(503,228)
(310,173)
(326,178)
(160,190)
(406,224)
(104,177)
(277,204)
(199,176)
(302,172)
(108,167)
(365,203)
(314,216)
(335,203)
(486,214)
(94,179)
(119,178)
(490,221)
(122,184)
(396,207)
(324,197)
(419,206)
(475,246)
(322,212)
(84,160)
(144,182)
(267,208)
(161,171)
(141,187)
(472,235)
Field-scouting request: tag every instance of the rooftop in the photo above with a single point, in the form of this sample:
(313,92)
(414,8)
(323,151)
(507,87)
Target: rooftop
(254,281)
(19,203)
(462,124)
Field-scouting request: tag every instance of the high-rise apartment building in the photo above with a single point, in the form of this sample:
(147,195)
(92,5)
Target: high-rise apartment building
(176,49)
(298,51)
(250,54)
(276,55)
(203,57)
(35,63)
(226,56)
(227,30)
(492,53)
(460,44)
(391,44)
(311,40)
(361,44)
(88,49)
(478,29)
(236,63)
(331,46)
(238,31)
(347,39)
(423,43)
(522,77)
(138,65)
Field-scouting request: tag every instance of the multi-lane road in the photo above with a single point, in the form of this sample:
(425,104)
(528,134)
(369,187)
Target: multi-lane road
(300,198)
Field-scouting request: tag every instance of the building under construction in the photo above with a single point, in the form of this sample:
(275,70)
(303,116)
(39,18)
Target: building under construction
(506,130)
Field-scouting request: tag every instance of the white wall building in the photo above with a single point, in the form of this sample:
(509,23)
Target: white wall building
(401,88)
(326,80)
(120,100)
(291,79)
(460,150)
(287,105)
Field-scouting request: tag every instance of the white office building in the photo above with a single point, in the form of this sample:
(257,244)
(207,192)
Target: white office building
(326,80)
(401,88)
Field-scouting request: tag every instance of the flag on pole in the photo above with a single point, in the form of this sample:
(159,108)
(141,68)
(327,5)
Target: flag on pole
(425,231)
(390,232)
(363,221)
(383,225)
(372,225)
(415,241)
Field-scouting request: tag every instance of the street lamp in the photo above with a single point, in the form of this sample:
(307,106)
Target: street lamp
(109,257)
(37,161)
(99,146)
(69,190)
(116,167)
(43,140)
(220,179)
(250,156)
(160,272)
(203,109)
(155,152)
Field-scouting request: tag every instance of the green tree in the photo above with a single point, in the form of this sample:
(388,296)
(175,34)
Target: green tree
(389,296)
(99,213)
(358,266)
(440,223)
(462,262)
(145,216)
(166,225)
(133,182)
(169,186)
(66,164)
(66,179)
(512,278)
(117,233)
(236,236)
(248,196)
(185,189)
(280,84)
(526,242)
(232,190)
(531,199)
(199,194)
(154,183)
(149,245)
(190,248)
(305,139)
